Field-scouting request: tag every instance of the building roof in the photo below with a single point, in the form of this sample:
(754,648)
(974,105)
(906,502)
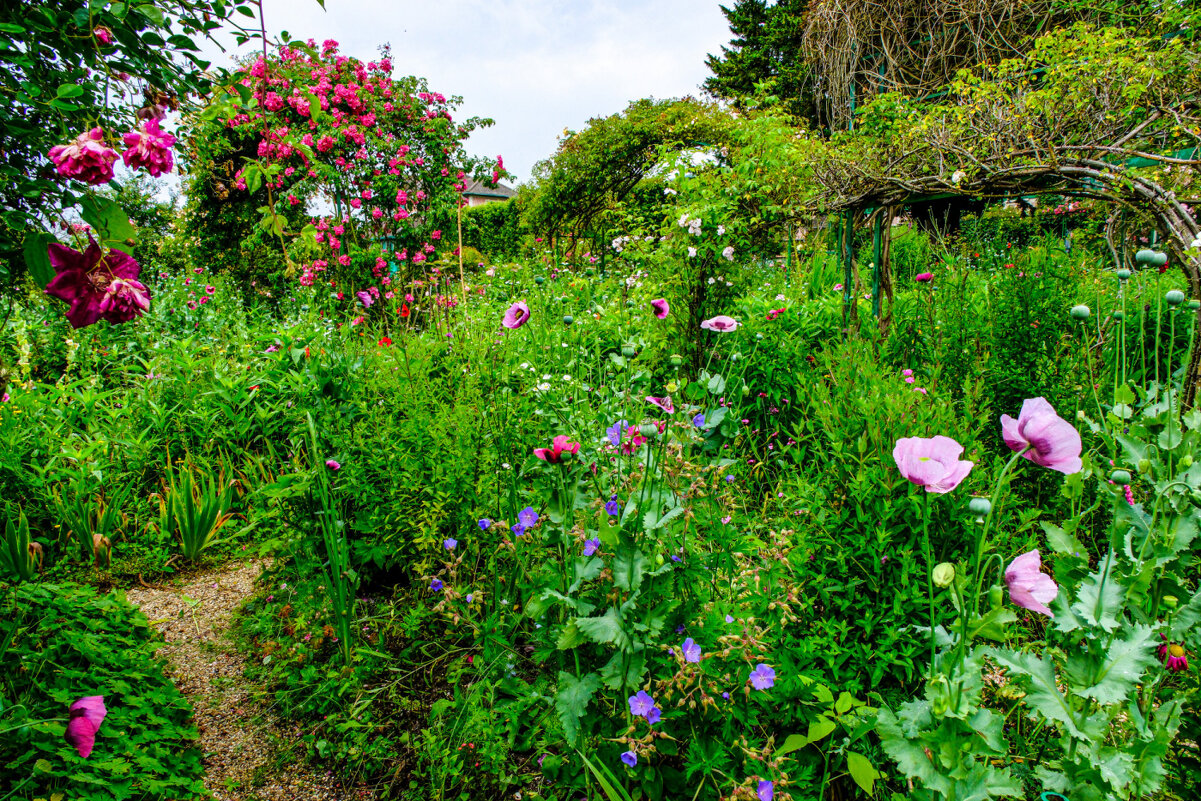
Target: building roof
(480,189)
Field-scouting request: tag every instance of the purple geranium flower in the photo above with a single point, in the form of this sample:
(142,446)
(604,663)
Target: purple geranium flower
(517,529)
(484,524)
(527,517)
(699,420)
(654,715)
(613,432)
(932,463)
(766,791)
(641,703)
(86,715)
(591,546)
(436,585)
(692,651)
(630,758)
(98,286)
(449,544)
(613,507)
(763,677)
(1052,441)
(517,315)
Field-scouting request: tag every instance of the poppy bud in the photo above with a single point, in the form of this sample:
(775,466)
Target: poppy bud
(944,574)
(628,350)
(568,319)
(1123,274)
(1120,477)
(1174,298)
(995,596)
(1080,312)
(1144,466)
(1186,461)
(1170,601)
(745,390)
(979,506)
(1145,256)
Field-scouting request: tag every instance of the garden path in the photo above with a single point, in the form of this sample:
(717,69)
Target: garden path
(246,746)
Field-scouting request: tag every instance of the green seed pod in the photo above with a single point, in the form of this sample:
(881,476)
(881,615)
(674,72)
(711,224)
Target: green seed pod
(590,272)
(1123,274)
(1186,461)
(979,506)
(538,280)
(1119,316)
(568,319)
(649,430)
(995,596)
(671,387)
(1193,305)
(676,360)
(1174,298)
(1145,256)
(1160,260)
(1120,477)
(1170,601)
(943,574)
(1080,312)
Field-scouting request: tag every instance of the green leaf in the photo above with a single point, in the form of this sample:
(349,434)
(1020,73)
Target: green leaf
(624,671)
(570,636)
(862,771)
(1044,694)
(37,258)
(1099,601)
(571,700)
(1120,667)
(1061,541)
(604,630)
(717,385)
(108,218)
(70,90)
(629,566)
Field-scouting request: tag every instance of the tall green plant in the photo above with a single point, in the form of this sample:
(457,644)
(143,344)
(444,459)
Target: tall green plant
(195,509)
(20,556)
(342,579)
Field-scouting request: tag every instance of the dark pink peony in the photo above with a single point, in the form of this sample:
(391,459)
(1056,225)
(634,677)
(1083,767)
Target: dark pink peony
(150,148)
(97,285)
(559,446)
(86,159)
(931,463)
(85,718)
(517,315)
(1052,441)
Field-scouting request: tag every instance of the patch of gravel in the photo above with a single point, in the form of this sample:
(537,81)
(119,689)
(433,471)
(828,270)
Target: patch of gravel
(245,745)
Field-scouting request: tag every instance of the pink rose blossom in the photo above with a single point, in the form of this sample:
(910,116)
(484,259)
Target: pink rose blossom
(86,159)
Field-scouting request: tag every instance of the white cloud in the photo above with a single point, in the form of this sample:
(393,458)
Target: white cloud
(534,66)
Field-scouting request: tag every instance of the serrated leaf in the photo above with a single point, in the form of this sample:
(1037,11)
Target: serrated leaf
(571,700)
(1062,542)
(604,630)
(1122,665)
(624,671)
(1099,601)
(1044,694)
(570,636)
(629,566)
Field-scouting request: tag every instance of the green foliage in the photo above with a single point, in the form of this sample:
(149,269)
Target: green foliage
(194,509)
(496,230)
(60,643)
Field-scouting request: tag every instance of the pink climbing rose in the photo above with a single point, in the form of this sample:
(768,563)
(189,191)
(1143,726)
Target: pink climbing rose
(932,463)
(517,315)
(86,715)
(87,158)
(149,147)
(98,285)
(1048,439)
(1029,587)
(559,446)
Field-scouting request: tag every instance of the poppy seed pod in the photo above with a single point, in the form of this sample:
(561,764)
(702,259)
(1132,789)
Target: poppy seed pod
(979,506)
(538,280)
(676,360)
(649,430)
(628,350)
(1119,315)
(568,319)
(1123,274)
(1194,304)
(1186,461)
(1120,477)
(1160,259)
(1145,256)
(1170,601)
(1080,312)
(1174,298)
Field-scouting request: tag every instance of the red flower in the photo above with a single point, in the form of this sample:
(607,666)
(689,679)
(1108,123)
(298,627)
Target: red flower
(87,158)
(97,285)
(385,341)
(404,310)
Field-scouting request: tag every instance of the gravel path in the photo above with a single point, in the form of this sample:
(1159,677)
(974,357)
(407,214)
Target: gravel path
(245,744)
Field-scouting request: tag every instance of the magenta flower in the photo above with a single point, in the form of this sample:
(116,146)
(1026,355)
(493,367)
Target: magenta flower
(692,651)
(1029,587)
(663,403)
(1173,656)
(763,677)
(103,34)
(720,324)
(924,278)
(332,465)
(85,718)
(86,159)
(661,308)
(517,315)
(932,463)
(1051,441)
(559,446)
(149,148)
(365,298)
(98,286)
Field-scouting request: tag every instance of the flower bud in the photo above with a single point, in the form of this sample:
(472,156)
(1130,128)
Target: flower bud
(1144,466)
(658,559)
(1120,477)
(1174,298)
(943,574)
(1186,461)
(1145,256)
(676,360)
(1118,315)
(746,390)
(538,280)
(1080,312)
(568,319)
(1170,601)
(628,350)
(979,506)
(1123,274)
(995,596)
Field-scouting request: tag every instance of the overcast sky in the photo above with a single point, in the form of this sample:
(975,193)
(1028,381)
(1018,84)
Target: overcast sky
(534,66)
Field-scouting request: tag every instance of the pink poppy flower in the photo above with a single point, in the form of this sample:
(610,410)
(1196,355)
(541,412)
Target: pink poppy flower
(663,403)
(97,285)
(517,315)
(149,148)
(721,323)
(1052,441)
(931,463)
(85,718)
(559,445)
(923,278)
(1029,587)
(661,308)
(86,159)
(332,465)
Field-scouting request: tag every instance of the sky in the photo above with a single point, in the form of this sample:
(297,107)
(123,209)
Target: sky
(534,66)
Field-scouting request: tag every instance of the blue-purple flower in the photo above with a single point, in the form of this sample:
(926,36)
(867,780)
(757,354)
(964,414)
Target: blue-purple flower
(517,529)
(630,758)
(762,677)
(591,546)
(643,705)
(699,420)
(449,544)
(436,585)
(484,524)
(613,432)
(527,517)
(613,507)
(767,790)
(692,651)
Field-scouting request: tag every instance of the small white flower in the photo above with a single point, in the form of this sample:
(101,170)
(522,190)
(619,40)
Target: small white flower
(721,230)
(692,253)
(712,281)
(728,253)
(668,191)
(958,176)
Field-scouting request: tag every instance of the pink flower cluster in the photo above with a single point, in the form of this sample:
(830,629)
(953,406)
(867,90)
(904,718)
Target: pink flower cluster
(149,148)
(87,158)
